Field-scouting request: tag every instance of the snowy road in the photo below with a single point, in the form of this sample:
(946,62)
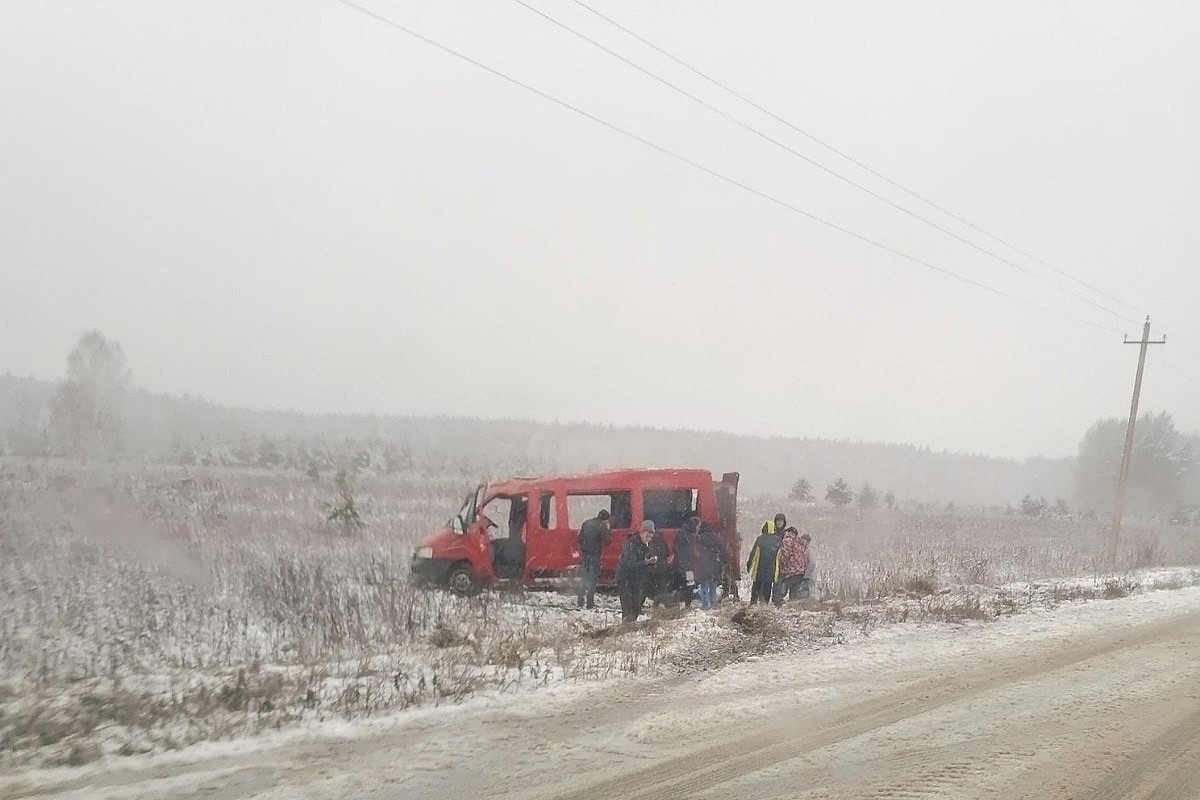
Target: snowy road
(1092,701)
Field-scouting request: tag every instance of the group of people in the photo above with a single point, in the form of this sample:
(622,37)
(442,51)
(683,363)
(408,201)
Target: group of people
(780,565)
(648,569)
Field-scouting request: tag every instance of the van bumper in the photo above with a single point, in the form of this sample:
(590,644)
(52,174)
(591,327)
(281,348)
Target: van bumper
(432,571)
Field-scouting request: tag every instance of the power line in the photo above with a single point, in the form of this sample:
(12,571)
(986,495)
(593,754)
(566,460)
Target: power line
(854,161)
(708,171)
(745,126)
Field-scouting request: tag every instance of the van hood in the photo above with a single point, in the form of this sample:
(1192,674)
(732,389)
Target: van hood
(443,543)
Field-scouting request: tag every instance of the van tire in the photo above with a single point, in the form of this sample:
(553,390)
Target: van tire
(461,581)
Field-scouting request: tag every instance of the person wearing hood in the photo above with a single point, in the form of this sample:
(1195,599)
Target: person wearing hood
(711,561)
(763,564)
(631,571)
(793,561)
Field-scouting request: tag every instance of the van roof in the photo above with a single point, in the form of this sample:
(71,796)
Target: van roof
(607,481)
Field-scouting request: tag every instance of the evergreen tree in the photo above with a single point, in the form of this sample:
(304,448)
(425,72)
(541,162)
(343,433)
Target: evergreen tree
(801,491)
(344,512)
(839,493)
(867,497)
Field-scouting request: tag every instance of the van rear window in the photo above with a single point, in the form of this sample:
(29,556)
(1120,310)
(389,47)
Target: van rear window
(668,508)
(582,507)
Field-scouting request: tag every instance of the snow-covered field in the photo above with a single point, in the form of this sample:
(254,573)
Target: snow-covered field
(1091,700)
(150,609)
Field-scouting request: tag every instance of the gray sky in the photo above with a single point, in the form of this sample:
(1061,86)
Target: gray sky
(287,204)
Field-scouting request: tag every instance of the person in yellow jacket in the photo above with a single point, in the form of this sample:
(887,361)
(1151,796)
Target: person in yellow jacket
(763,564)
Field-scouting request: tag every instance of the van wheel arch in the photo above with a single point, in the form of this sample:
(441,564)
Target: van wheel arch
(461,580)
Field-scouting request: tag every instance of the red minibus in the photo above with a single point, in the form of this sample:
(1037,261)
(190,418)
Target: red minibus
(527,529)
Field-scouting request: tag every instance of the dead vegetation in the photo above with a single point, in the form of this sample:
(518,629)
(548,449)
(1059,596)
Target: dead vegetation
(148,609)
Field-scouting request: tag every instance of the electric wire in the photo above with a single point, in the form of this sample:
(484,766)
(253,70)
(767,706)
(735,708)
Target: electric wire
(857,162)
(709,171)
(828,170)
(649,73)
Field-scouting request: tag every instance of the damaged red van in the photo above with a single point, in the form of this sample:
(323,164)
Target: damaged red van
(527,529)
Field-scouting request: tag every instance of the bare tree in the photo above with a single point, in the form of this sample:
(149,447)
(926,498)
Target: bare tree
(87,411)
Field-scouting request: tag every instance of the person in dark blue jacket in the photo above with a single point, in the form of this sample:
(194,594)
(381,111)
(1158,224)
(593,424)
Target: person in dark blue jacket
(763,564)
(631,571)
(687,559)
(711,564)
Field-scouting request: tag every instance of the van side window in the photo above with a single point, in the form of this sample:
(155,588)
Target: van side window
(668,508)
(582,507)
(548,512)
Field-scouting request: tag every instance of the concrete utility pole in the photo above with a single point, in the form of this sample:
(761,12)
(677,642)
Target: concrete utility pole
(1145,342)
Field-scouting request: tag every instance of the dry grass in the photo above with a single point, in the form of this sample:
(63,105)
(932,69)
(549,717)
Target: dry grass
(147,608)
(150,608)
(864,556)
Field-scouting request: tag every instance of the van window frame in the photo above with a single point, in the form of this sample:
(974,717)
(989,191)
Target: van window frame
(677,518)
(618,522)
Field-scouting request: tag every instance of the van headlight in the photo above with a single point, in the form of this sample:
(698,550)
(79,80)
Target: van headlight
(424,552)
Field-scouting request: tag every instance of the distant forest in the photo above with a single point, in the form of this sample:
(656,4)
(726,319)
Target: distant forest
(96,413)
(192,431)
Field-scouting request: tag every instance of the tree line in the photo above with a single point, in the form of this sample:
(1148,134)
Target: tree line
(96,411)
(839,494)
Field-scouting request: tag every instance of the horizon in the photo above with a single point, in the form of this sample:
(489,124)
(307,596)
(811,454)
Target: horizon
(293,205)
(198,398)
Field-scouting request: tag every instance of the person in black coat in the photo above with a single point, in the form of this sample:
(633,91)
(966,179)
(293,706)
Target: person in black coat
(593,536)
(687,560)
(658,574)
(712,558)
(631,571)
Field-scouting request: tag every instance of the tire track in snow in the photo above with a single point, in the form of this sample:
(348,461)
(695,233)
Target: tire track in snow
(1174,755)
(714,765)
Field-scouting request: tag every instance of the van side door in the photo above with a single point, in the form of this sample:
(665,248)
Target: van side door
(550,545)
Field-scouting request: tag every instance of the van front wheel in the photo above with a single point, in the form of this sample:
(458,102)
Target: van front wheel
(461,580)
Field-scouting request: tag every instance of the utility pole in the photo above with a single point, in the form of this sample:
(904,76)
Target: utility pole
(1145,342)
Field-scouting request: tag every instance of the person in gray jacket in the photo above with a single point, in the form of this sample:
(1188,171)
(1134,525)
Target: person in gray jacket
(631,571)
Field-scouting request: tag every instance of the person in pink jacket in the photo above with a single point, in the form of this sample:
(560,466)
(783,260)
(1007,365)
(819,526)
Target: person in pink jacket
(793,563)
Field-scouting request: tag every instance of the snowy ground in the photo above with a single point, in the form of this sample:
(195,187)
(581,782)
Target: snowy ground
(1094,699)
(154,610)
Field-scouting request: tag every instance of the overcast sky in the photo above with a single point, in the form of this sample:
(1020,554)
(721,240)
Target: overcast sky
(289,204)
